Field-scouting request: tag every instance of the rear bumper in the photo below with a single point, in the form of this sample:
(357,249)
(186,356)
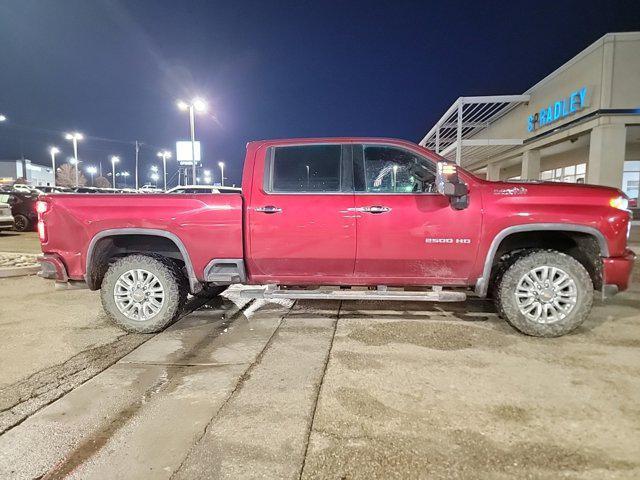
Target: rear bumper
(616,272)
(52,268)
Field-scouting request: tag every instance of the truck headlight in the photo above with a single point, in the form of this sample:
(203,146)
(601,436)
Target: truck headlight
(621,203)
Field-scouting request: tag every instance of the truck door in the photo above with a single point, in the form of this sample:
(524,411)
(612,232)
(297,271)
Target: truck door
(407,232)
(300,214)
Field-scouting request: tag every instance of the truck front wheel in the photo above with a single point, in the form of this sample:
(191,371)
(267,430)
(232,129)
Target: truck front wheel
(545,293)
(143,294)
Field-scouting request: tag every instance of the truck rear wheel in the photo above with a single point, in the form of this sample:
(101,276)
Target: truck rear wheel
(143,294)
(545,293)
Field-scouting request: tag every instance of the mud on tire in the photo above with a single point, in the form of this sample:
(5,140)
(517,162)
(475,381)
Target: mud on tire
(507,301)
(170,277)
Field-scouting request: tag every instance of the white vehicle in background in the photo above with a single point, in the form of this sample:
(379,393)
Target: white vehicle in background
(6,219)
(149,189)
(204,189)
(21,187)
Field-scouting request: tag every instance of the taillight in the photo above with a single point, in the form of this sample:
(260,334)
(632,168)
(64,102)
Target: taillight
(41,207)
(42,232)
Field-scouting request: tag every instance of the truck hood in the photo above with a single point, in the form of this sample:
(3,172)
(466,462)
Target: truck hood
(571,192)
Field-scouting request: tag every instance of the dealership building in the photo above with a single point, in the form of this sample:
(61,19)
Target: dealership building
(580,124)
(36,175)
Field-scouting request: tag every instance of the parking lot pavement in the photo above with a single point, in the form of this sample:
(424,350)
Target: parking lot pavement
(350,390)
(52,341)
(19,242)
(425,395)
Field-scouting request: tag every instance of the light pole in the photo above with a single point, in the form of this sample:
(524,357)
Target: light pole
(125,175)
(221,165)
(92,171)
(114,159)
(307,176)
(196,105)
(155,177)
(74,137)
(53,151)
(164,154)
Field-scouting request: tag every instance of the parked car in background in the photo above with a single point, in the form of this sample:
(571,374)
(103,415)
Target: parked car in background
(23,209)
(52,189)
(203,189)
(6,218)
(85,190)
(149,189)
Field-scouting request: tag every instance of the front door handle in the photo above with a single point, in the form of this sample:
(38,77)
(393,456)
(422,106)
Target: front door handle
(268,209)
(376,209)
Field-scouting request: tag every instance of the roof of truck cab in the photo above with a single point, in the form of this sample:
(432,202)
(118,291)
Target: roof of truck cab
(384,140)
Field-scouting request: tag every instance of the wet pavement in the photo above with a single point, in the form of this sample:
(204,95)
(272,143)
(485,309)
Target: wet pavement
(349,390)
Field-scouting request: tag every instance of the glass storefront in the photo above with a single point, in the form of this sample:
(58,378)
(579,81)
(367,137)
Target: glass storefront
(570,174)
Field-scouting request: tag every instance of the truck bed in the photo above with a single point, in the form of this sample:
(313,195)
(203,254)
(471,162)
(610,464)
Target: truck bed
(209,224)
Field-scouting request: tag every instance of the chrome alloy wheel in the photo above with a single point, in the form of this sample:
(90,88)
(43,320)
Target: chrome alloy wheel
(546,294)
(138,294)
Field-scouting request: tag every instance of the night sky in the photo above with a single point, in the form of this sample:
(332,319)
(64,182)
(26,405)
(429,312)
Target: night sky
(113,70)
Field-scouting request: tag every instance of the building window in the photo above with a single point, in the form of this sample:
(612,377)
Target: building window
(631,178)
(570,174)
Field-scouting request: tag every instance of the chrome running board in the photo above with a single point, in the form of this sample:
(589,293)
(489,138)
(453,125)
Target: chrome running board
(435,295)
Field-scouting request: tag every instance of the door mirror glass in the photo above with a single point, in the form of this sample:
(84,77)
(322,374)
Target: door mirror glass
(448,184)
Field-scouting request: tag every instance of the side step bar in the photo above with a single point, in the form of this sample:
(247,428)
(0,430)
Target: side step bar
(436,295)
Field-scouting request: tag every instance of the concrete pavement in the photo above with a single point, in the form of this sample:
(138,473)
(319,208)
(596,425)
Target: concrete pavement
(349,390)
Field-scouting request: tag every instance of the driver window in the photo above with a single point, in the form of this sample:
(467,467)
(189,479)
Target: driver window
(395,170)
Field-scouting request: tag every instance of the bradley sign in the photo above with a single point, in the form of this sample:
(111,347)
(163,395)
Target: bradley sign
(557,110)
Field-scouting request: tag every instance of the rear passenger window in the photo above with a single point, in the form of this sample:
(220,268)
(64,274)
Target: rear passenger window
(306,168)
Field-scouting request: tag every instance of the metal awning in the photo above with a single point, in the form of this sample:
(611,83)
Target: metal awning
(453,135)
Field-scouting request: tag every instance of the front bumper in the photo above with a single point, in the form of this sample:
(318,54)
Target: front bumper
(616,272)
(6,222)
(52,268)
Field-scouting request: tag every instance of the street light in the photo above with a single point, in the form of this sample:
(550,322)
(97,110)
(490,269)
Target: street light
(114,159)
(155,177)
(125,175)
(3,118)
(74,137)
(200,106)
(164,154)
(92,171)
(221,165)
(53,151)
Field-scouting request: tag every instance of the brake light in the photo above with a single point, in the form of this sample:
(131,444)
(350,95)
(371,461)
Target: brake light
(41,207)
(42,232)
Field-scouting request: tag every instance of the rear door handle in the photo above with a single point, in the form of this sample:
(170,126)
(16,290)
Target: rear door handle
(268,209)
(376,209)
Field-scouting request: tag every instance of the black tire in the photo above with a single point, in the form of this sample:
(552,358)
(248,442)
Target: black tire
(506,293)
(173,283)
(21,223)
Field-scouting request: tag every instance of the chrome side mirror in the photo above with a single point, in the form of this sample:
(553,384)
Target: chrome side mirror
(448,184)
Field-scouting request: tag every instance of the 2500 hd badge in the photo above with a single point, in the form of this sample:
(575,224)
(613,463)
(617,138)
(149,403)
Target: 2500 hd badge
(448,240)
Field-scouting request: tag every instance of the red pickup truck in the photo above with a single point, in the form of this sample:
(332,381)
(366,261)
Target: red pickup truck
(347,218)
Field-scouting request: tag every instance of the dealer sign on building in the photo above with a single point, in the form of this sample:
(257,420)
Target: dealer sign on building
(557,110)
